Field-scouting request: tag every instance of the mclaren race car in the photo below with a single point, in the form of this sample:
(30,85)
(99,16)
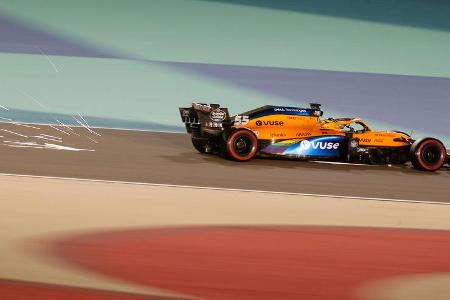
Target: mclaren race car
(301,133)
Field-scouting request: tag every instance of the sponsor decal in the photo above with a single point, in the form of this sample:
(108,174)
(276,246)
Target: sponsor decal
(288,109)
(317,146)
(269,123)
(379,141)
(277,135)
(365,140)
(326,146)
(284,111)
(384,134)
(214,124)
(202,107)
(217,115)
(305,145)
(303,134)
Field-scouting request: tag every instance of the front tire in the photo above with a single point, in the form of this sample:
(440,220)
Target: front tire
(241,145)
(428,154)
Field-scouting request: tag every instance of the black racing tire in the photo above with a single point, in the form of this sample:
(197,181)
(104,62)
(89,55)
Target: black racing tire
(428,154)
(241,145)
(199,144)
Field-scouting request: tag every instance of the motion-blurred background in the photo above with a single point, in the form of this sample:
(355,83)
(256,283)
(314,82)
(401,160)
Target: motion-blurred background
(130,64)
(74,226)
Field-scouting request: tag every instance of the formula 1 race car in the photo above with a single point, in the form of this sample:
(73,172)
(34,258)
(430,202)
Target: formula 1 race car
(292,132)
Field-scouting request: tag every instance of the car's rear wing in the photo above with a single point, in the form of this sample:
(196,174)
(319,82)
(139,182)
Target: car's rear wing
(209,118)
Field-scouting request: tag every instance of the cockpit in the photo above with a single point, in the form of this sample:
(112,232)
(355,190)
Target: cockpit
(346,125)
(357,127)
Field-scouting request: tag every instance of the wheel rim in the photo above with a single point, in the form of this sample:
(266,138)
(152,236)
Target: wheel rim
(243,145)
(431,154)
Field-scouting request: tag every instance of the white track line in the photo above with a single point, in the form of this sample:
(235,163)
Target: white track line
(47,138)
(66,126)
(99,127)
(25,125)
(51,136)
(226,189)
(84,120)
(12,132)
(35,145)
(60,130)
(63,124)
(87,128)
(92,140)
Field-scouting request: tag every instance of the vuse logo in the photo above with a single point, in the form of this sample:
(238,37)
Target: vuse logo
(269,123)
(305,145)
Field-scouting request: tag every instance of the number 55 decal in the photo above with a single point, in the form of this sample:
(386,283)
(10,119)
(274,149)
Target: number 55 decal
(241,120)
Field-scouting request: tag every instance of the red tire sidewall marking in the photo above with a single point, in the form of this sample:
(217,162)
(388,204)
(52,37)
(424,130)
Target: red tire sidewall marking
(437,165)
(230,146)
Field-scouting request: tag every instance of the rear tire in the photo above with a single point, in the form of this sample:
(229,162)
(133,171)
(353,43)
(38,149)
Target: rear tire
(428,154)
(241,145)
(199,144)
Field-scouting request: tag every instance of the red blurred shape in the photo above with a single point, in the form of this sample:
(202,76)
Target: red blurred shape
(260,262)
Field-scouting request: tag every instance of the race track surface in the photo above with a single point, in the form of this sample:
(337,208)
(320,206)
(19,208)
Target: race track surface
(169,158)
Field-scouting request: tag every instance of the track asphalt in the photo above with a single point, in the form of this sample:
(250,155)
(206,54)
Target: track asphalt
(169,158)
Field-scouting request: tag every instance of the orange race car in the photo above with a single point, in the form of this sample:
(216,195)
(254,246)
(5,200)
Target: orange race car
(293,132)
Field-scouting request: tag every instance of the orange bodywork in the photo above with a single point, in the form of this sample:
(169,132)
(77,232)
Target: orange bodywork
(288,127)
